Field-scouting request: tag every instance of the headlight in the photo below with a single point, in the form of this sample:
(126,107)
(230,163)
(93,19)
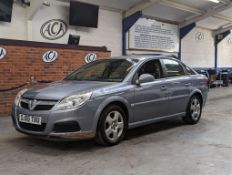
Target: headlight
(73,101)
(18,96)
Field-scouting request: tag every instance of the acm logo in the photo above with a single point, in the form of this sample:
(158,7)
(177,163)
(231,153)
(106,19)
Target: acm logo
(53,29)
(50,56)
(90,57)
(2,53)
(199,36)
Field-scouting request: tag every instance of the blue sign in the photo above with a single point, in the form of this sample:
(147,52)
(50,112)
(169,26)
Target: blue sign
(2,52)
(50,56)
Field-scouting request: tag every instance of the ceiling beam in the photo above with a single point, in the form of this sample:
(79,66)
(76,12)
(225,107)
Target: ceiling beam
(34,8)
(222,17)
(208,13)
(222,30)
(161,19)
(101,6)
(193,10)
(225,1)
(140,7)
(180,6)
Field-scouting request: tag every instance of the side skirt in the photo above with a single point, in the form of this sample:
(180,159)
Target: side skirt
(154,120)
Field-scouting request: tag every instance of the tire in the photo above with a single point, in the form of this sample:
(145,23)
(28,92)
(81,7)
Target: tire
(194,110)
(112,126)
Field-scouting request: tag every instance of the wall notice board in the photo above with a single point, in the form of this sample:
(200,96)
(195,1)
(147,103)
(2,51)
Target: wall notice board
(152,35)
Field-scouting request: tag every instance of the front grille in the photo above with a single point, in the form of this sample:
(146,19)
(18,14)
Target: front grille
(24,105)
(43,107)
(32,127)
(37,105)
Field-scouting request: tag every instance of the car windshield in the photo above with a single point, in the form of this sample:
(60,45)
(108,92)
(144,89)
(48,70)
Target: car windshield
(108,70)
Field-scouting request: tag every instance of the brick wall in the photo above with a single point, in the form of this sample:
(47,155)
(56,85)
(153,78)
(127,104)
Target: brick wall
(23,62)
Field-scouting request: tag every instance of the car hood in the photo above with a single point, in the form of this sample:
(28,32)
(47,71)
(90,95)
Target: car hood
(60,89)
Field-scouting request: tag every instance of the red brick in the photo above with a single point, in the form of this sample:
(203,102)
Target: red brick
(23,62)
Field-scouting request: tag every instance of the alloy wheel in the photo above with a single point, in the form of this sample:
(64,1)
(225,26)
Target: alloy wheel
(195,109)
(114,126)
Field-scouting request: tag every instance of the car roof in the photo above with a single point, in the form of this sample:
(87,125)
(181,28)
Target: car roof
(141,57)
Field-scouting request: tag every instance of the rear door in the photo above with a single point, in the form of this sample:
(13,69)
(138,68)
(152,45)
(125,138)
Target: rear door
(179,83)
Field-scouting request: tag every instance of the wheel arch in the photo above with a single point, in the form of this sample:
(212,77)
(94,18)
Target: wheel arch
(199,94)
(123,103)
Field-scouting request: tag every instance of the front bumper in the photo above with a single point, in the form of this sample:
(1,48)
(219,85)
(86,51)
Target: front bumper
(83,116)
(61,136)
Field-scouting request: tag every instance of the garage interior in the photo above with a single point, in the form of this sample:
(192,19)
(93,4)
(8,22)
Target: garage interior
(196,32)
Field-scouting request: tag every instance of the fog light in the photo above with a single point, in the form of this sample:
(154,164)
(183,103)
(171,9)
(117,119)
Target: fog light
(69,126)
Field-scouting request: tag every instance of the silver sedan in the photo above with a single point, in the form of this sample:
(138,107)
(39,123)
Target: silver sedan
(105,98)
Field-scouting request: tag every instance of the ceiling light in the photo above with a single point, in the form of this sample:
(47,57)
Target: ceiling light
(215,1)
(46,3)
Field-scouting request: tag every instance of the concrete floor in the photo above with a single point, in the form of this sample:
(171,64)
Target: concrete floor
(167,148)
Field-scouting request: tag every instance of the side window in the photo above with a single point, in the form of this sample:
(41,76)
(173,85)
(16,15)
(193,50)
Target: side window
(152,67)
(173,68)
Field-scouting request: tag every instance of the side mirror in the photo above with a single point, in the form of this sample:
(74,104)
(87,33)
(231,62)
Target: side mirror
(145,78)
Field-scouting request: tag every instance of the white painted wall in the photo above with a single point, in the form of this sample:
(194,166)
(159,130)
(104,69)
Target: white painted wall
(198,53)
(225,52)
(108,33)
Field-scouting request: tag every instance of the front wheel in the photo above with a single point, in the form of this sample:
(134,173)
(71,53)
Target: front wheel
(194,110)
(112,126)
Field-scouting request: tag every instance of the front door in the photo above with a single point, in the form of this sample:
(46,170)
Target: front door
(150,98)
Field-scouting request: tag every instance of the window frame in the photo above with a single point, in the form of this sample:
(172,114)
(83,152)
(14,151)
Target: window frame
(187,72)
(179,62)
(135,76)
(96,61)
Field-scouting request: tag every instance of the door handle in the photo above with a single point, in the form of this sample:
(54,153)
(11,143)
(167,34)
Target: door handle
(175,82)
(188,84)
(163,88)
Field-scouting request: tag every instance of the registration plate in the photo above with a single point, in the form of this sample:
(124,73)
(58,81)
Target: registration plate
(30,119)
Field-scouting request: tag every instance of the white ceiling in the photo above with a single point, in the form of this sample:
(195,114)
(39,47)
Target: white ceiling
(211,23)
(227,12)
(200,4)
(168,13)
(172,12)
(114,4)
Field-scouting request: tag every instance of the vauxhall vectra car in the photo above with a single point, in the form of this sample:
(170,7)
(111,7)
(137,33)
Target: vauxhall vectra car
(105,98)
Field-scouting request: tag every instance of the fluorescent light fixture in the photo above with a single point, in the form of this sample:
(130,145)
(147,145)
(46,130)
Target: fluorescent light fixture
(215,1)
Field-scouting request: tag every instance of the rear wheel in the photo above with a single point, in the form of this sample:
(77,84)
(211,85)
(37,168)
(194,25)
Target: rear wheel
(112,126)
(194,110)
